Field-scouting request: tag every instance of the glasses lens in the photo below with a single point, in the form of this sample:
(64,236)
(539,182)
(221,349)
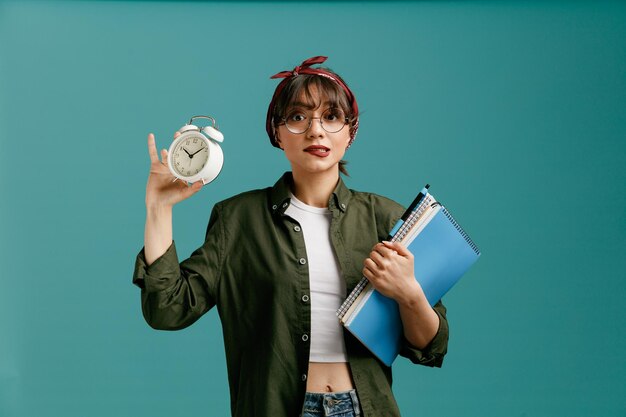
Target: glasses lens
(333,120)
(297,121)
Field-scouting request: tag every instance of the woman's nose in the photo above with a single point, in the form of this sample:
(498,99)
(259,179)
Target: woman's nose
(315,129)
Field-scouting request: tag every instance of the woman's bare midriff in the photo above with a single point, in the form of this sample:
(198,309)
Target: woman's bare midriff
(329,377)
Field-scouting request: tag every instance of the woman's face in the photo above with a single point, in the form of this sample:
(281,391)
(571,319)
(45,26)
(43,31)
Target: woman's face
(316,150)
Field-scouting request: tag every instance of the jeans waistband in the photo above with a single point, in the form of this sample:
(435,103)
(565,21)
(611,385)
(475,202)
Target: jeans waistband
(331,403)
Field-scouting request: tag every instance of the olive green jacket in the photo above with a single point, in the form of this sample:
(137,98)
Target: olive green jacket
(253,267)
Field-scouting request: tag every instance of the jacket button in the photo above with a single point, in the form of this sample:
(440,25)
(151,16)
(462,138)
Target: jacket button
(343,206)
(302,261)
(304,377)
(305,337)
(297,228)
(305,298)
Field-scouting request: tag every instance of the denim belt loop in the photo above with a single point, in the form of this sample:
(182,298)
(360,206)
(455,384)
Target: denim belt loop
(355,403)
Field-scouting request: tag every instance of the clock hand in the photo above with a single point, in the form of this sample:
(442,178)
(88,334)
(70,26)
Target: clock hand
(190,155)
(197,151)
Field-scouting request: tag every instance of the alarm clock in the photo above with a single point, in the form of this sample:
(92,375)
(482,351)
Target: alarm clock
(196,153)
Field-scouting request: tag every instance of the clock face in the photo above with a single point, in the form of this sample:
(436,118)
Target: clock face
(190,156)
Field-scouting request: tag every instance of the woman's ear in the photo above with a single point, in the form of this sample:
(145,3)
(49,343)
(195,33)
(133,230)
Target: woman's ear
(280,145)
(276,138)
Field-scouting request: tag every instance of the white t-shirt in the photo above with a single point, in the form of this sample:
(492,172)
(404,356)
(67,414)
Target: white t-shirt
(328,288)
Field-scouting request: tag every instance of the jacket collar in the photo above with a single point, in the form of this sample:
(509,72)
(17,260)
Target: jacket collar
(280,195)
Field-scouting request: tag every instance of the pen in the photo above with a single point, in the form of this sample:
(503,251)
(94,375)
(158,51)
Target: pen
(408,211)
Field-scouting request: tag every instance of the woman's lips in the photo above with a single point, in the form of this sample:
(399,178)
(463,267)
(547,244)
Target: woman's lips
(320,151)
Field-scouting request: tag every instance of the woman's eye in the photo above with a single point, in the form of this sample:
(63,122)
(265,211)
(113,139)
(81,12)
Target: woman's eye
(297,117)
(332,115)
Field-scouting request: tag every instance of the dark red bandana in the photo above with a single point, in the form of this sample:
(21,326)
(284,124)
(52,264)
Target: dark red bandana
(305,68)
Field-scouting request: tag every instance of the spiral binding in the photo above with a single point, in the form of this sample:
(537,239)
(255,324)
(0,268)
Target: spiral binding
(413,218)
(398,236)
(345,306)
(460,229)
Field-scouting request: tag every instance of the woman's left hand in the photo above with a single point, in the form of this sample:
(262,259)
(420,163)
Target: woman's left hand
(390,270)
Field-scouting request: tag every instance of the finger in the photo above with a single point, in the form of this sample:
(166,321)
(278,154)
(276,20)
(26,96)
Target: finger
(164,156)
(398,247)
(154,157)
(197,186)
(369,274)
(377,259)
(384,250)
(192,189)
(370,265)
(176,134)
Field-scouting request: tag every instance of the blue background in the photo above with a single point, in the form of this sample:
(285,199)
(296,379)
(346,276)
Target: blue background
(514,112)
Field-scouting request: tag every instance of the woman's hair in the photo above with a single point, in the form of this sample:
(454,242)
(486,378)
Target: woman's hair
(302,88)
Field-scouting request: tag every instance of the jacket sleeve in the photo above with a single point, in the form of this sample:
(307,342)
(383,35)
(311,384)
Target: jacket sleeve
(431,355)
(173,295)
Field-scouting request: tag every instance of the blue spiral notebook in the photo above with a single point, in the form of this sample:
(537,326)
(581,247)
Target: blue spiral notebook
(442,253)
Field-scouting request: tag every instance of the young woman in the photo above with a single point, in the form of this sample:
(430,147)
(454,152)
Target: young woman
(277,262)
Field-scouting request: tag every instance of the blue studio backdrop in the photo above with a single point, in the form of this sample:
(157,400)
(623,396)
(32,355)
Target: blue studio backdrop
(514,112)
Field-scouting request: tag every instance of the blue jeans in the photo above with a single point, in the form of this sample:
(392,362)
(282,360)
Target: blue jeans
(337,404)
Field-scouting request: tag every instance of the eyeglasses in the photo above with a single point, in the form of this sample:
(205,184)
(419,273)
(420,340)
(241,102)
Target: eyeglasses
(332,121)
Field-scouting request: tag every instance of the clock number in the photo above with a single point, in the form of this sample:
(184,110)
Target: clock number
(195,140)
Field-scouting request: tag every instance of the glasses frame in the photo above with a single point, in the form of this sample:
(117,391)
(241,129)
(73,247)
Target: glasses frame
(346,121)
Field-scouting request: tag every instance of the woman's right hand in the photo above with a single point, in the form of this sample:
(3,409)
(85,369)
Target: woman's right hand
(163,189)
